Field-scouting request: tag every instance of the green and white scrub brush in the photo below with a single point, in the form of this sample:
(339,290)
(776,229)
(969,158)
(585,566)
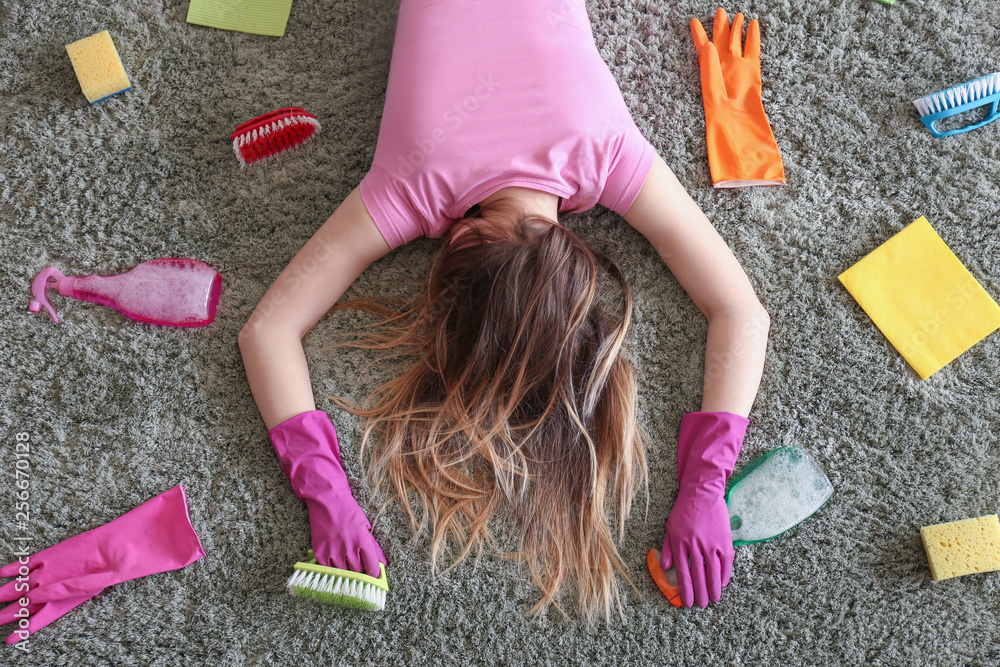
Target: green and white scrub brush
(343,588)
(309,453)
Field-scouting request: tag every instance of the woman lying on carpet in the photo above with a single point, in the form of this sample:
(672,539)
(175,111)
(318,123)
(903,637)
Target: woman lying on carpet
(516,395)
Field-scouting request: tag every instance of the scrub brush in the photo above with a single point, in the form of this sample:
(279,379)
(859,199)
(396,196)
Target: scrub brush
(272,133)
(964,97)
(342,588)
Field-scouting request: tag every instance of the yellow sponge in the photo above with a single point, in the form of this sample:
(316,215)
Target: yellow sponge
(98,67)
(962,547)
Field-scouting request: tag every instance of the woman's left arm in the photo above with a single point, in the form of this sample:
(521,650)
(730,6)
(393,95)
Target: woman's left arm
(708,271)
(698,542)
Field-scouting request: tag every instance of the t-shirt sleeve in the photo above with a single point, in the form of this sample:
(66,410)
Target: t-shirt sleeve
(389,203)
(632,156)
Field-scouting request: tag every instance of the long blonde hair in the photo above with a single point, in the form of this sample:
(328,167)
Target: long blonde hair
(515,394)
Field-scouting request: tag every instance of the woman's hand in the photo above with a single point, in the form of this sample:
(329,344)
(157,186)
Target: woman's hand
(699,542)
(309,454)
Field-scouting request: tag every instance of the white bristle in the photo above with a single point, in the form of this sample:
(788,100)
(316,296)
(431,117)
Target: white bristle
(237,142)
(335,585)
(960,95)
(308,121)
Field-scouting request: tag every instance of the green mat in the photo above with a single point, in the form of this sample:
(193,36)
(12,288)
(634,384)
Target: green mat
(258,17)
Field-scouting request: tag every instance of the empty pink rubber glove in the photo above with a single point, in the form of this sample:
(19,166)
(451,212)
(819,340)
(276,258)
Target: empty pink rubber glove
(309,454)
(156,536)
(699,541)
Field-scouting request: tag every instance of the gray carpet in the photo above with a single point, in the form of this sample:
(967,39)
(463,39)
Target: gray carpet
(117,411)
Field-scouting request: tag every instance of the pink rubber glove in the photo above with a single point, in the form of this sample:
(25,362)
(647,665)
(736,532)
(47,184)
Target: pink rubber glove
(699,541)
(156,536)
(309,454)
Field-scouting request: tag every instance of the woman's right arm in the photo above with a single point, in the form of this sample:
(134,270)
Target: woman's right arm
(271,340)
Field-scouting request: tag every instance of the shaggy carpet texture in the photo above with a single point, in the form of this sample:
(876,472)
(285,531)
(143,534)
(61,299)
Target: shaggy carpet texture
(116,411)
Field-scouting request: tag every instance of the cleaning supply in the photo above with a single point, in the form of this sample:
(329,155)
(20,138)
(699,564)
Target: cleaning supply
(962,547)
(697,528)
(98,67)
(309,454)
(665,580)
(157,536)
(918,293)
(343,588)
(257,17)
(958,99)
(171,291)
(741,146)
(770,496)
(272,133)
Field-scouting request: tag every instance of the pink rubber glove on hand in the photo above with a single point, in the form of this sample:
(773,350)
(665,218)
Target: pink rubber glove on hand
(309,454)
(156,536)
(699,541)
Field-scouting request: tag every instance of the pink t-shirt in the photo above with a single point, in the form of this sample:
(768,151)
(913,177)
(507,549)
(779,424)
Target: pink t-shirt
(485,94)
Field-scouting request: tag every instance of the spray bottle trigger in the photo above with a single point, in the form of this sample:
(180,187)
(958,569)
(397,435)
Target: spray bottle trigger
(39,289)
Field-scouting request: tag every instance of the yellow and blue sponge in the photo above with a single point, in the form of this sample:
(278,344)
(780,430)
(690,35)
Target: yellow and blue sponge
(98,67)
(962,547)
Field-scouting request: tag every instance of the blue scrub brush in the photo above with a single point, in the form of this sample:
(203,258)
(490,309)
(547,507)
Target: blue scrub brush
(964,97)
(341,588)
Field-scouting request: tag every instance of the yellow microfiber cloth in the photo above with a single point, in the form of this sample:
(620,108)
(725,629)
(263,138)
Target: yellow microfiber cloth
(98,67)
(922,298)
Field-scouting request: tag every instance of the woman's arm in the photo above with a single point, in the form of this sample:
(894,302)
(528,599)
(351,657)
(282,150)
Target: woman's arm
(271,340)
(701,261)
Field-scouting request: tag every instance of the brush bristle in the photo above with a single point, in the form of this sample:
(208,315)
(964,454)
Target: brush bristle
(956,96)
(341,591)
(277,136)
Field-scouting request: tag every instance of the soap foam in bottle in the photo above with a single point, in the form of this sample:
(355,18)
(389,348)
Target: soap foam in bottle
(776,494)
(171,291)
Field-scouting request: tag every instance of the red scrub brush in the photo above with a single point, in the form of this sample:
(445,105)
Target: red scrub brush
(272,133)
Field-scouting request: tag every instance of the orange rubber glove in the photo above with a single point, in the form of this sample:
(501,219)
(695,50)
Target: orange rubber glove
(741,147)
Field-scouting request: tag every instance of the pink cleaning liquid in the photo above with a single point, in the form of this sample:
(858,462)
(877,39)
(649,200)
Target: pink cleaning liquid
(172,292)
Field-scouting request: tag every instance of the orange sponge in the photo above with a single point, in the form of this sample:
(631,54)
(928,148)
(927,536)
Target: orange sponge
(962,547)
(98,67)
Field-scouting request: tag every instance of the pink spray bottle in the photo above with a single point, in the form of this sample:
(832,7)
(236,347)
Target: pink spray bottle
(172,292)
